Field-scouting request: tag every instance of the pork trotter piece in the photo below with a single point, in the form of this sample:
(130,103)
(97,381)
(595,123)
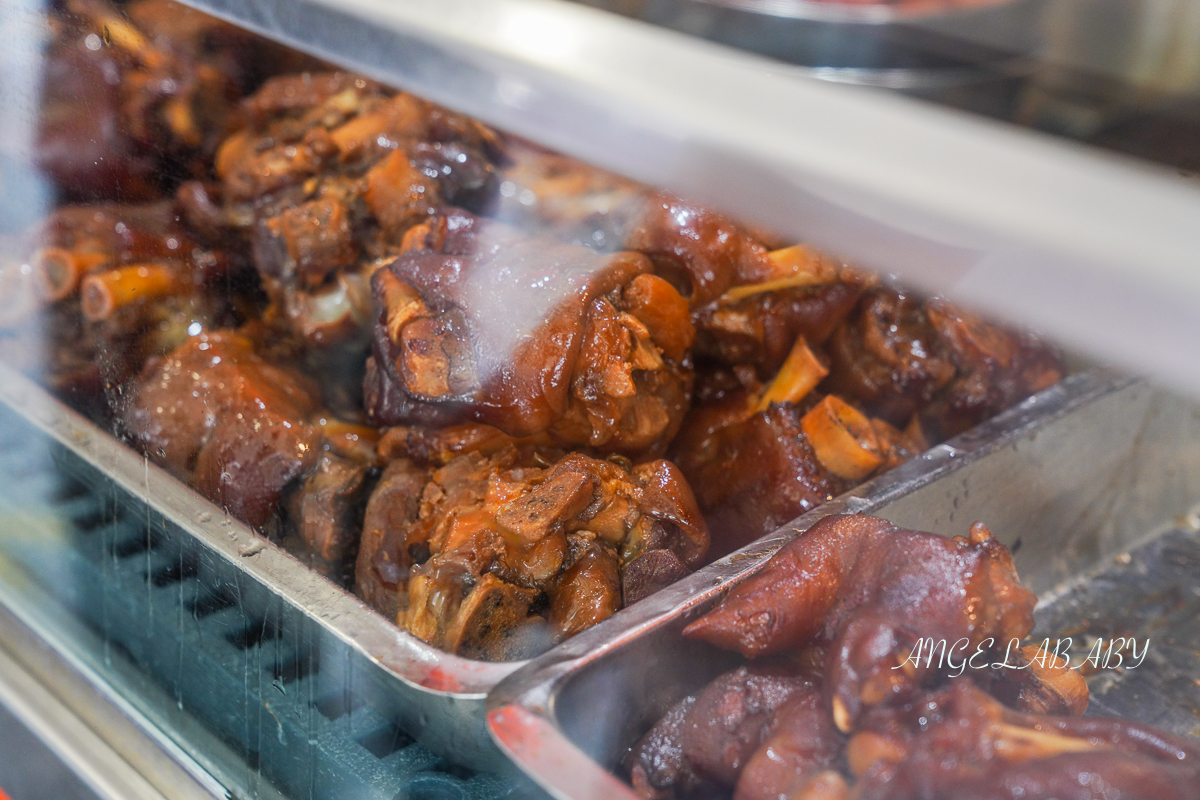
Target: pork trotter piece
(497,555)
(532,337)
(898,355)
(871,591)
(246,433)
(752,472)
(960,744)
(703,742)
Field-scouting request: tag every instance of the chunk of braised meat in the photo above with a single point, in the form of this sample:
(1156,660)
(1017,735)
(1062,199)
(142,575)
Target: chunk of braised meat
(736,713)
(531,337)
(385,554)
(314,133)
(761,328)
(898,355)
(327,507)
(803,750)
(494,552)
(135,99)
(214,413)
(704,742)
(870,590)
(960,744)
(246,433)
(657,767)
(806,295)
(748,304)
(326,181)
(759,455)
(751,472)
(842,603)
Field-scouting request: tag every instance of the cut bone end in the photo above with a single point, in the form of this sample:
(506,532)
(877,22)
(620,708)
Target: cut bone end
(842,438)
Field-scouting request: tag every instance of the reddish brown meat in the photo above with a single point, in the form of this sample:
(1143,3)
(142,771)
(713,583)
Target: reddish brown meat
(531,337)
(701,252)
(751,472)
(803,744)
(736,713)
(216,414)
(702,744)
(870,591)
(843,604)
(960,744)
(658,769)
(761,328)
(247,433)
(465,552)
(898,355)
(326,181)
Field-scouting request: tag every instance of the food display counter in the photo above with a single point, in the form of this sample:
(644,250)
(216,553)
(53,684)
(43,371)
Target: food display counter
(386,387)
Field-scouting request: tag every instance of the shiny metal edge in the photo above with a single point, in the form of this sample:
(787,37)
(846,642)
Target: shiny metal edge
(1097,250)
(407,659)
(521,716)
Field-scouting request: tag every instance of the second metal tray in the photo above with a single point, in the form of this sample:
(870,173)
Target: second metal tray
(1070,480)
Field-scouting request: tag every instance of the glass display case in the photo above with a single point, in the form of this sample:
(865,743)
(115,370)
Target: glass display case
(384,385)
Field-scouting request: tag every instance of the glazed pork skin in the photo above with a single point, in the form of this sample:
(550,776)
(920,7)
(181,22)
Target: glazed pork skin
(531,337)
(898,355)
(958,743)
(869,590)
(216,414)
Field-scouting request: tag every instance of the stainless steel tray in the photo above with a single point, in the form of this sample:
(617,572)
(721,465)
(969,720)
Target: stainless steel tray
(437,697)
(1071,480)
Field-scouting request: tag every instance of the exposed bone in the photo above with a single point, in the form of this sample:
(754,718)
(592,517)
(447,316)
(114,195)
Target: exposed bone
(414,238)
(841,717)
(798,376)
(797,266)
(104,293)
(842,438)
(546,506)
(58,271)
(401,303)
(491,609)
(1016,743)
